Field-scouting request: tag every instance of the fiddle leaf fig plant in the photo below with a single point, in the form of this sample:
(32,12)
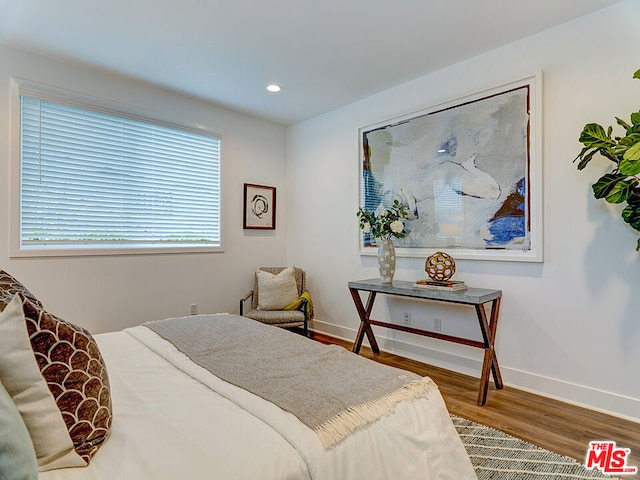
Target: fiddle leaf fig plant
(622,183)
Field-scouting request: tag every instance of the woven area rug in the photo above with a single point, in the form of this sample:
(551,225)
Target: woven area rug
(497,455)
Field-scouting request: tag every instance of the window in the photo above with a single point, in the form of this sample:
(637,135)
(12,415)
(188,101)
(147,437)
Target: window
(91,178)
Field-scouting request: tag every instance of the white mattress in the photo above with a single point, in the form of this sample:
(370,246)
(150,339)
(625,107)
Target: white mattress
(174,420)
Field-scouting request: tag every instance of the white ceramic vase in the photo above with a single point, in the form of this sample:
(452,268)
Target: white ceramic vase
(386,260)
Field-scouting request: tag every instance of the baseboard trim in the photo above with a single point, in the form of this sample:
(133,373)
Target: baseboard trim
(609,403)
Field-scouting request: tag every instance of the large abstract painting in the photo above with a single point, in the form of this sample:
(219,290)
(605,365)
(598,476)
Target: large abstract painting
(468,171)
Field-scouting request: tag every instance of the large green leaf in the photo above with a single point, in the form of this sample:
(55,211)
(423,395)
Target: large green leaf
(608,152)
(594,136)
(614,187)
(585,159)
(635,118)
(621,191)
(633,153)
(623,124)
(631,215)
(605,184)
(634,198)
(630,167)
(625,144)
(630,140)
(637,74)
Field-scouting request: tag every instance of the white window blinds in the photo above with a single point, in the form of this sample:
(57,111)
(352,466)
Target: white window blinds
(91,178)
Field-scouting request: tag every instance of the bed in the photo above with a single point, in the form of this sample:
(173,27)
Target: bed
(173,417)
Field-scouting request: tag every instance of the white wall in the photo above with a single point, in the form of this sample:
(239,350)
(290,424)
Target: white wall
(110,293)
(569,327)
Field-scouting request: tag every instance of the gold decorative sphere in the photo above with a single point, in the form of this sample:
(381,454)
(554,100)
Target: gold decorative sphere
(440,266)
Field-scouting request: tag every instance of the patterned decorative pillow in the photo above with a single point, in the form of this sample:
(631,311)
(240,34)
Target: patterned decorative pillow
(57,378)
(276,291)
(9,286)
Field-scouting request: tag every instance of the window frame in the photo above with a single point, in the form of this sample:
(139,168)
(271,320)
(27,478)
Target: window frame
(21,87)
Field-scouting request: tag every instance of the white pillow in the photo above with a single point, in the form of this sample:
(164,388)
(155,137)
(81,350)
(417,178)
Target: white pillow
(17,456)
(276,291)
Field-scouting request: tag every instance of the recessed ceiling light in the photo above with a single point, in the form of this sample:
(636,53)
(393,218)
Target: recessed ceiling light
(273,88)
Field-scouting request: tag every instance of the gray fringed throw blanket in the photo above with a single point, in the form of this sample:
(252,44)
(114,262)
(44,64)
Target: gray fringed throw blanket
(328,388)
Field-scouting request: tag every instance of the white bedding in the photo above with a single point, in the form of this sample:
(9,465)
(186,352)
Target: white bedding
(174,420)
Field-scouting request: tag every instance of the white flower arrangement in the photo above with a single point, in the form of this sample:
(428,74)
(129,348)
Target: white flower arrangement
(388,223)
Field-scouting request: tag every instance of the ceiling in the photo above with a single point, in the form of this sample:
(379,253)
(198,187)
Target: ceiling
(324,54)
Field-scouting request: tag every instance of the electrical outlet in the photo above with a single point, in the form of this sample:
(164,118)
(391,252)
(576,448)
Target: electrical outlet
(437,324)
(407,318)
(194,308)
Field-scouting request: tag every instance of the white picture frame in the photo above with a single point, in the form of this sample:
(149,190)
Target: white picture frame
(469,170)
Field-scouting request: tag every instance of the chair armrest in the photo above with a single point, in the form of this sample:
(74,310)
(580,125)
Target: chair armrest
(244,299)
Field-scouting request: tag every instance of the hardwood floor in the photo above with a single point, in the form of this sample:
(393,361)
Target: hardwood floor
(551,424)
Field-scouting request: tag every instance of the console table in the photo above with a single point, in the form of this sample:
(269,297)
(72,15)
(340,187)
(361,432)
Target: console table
(477,297)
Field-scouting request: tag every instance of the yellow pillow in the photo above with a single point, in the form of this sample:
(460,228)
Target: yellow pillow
(276,291)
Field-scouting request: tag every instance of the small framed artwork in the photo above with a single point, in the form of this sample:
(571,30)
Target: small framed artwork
(259,207)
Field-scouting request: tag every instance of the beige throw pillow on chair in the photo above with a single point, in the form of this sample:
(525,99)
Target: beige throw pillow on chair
(276,291)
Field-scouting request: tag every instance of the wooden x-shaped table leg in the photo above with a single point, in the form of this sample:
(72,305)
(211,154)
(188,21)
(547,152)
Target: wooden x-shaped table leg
(365,327)
(490,363)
